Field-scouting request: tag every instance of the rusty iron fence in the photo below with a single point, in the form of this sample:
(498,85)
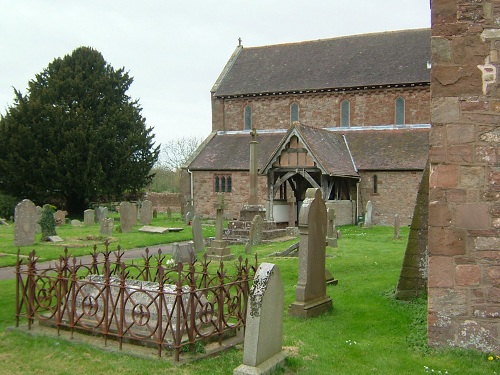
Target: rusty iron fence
(152,302)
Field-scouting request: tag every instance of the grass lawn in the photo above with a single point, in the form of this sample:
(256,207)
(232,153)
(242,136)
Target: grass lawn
(367,331)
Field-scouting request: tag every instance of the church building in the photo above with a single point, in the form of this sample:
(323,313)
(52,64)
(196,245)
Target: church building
(349,115)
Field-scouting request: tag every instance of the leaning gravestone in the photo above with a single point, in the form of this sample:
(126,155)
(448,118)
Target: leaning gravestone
(262,351)
(146,212)
(127,216)
(25,216)
(197,230)
(89,217)
(311,299)
(368,214)
(256,231)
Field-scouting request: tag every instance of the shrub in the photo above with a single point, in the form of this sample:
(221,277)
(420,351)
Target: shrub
(7,205)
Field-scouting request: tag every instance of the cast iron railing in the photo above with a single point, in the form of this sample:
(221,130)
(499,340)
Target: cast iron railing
(169,306)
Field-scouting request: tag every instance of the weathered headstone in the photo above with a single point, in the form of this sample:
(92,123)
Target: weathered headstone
(25,216)
(38,217)
(128,216)
(146,212)
(331,231)
(256,231)
(218,248)
(101,213)
(368,214)
(89,217)
(155,213)
(183,252)
(188,218)
(396,226)
(60,217)
(169,213)
(197,231)
(262,351)
(106,226)
(76,223)
(311,299)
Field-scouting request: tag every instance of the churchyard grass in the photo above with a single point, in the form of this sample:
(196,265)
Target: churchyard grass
(367,331)
(80,240)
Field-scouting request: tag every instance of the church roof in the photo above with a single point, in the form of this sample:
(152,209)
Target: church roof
(337,151)
(368,60)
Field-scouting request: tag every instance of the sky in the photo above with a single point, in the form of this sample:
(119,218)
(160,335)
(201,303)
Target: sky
(175,50)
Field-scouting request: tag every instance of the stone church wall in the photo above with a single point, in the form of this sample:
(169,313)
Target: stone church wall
(464,209)
(369,107)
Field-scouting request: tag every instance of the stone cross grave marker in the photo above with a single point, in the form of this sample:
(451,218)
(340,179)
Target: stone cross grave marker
(25,216)
(311,299)
(197,231)
(89,217)
(256,232)
(331,232)
(262,349)
(368,214)
(127,216)
(218,248)
(146,212)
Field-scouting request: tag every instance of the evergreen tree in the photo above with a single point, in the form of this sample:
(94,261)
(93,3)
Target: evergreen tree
(76,135)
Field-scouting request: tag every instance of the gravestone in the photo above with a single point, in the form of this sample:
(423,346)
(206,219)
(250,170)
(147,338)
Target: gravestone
(218,248)
(188,218)
(197,231)
(128,216)
(331,232)
(368,214)
(262,350)
(76,223)
(38,217)
(183,253)
(25,216)
(396,227)
(146,212)
(155,213)
(106,226)
(311,299)
(292,212)
(60,217)
(256,230)
(169,213)
(89,217)
(135,212)
(101,213)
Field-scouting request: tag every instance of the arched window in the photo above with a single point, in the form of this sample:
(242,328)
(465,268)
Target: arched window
(294,113)
(400,111)
(345,109)
(223,184)
(248,118)
(375,184)
(229,184)
(217,183)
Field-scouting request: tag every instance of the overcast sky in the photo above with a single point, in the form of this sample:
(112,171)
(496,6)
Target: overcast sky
(175,50)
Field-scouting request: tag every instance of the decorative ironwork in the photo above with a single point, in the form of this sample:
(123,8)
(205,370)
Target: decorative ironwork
(167,306)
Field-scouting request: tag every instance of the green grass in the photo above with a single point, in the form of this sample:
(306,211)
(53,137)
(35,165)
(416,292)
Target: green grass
(367,331)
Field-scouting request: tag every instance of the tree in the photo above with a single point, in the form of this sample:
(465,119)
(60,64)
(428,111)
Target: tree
(76,135)
(174,154)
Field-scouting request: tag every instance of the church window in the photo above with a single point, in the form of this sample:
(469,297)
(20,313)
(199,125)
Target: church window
(248,117)
(345,109)
(222,183)
(294,112)
(375,184)
(400,111)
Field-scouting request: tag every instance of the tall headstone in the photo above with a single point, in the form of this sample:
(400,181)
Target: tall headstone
(197,231)
(218,248)
(38,218)
(25,216)
(89,217)
(368,214)
(311,299)
(146,212)
(331,232)
(256,232)
(262,351)
(127,216)
(292,212)
(396,227)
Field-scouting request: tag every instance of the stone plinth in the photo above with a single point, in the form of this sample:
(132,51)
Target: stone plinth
(218,250)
